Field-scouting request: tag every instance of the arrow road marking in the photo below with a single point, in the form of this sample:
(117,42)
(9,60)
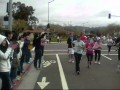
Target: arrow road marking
(43,84)
(62,75)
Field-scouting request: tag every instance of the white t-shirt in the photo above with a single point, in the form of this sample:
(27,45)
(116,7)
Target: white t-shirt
(78,45)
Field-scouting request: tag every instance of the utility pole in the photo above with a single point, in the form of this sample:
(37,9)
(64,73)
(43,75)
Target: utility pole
(10,15)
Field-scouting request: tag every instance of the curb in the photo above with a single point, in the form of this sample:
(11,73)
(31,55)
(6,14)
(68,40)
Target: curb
(18,82)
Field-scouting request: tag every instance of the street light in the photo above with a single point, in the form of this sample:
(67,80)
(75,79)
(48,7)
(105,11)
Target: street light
(48,25)
(48,13)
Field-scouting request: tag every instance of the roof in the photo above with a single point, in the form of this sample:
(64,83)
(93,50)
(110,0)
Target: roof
(34,31)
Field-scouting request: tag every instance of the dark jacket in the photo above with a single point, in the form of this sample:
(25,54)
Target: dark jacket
(37,43)
(69,42)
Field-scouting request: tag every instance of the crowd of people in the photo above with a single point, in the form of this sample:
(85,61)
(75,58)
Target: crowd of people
(91,46)
(15,51)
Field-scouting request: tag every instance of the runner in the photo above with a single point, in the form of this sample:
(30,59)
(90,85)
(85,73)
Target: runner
(89,51)
(97,46)
(79,45)
(70,39)
(109,44)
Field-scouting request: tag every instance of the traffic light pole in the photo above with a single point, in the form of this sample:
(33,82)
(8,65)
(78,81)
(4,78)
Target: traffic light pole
(110,15)
(10,15)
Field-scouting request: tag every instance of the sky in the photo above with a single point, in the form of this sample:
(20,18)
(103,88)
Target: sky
(91,13)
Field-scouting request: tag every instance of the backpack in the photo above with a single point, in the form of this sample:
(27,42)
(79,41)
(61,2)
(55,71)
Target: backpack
(15,61)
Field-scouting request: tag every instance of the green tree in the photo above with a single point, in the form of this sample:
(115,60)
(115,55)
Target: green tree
(32,20)
(23,16)
(21,11)
(19,25)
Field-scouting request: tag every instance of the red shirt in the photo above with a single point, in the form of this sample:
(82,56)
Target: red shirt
(83,38)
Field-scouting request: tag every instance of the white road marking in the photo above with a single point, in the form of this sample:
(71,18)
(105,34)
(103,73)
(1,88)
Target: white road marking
(67,54)
(46,64)
(62,75)
(106,57)
(111,54)
(67,50)
(43,83)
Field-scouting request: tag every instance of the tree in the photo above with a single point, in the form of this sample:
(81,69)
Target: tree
(21,11)
(19,25)
(32,21)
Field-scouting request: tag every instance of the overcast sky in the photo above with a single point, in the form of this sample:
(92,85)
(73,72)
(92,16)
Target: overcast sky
(74,12)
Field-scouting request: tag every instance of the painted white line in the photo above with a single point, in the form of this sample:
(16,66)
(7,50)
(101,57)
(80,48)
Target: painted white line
(62,75)
(67,50)
(67,54)
(106,57)
(55,50)
(57,53)
(110,54)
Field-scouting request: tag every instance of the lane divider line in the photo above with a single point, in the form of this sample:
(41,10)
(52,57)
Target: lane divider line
(67,50)
(106,57)
(62,75)
(67,54)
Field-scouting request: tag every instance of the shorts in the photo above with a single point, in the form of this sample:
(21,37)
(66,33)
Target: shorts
(70,51)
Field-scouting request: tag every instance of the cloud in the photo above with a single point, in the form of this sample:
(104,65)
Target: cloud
(72,11)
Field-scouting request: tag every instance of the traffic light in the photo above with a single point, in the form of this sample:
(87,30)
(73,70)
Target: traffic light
(48,25)
(6,18)
(8,8)
(109,15)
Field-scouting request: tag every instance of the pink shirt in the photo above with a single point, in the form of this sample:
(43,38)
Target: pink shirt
(89,47)
(98,46)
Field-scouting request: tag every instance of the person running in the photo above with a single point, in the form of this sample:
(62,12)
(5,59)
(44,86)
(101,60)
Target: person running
(58,39)
(89,51)
(6,50)
(109,44)
(97,47)
(70,39)
(78,50)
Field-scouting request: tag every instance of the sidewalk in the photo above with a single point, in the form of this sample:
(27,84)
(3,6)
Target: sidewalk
(18,82)
(26,69)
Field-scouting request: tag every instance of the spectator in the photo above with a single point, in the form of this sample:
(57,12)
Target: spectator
(25,49)
(38,50)
(117,42)
(5,66)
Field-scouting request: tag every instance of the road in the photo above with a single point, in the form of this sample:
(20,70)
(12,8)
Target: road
(58,73)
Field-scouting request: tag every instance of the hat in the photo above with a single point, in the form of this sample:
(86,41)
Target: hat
(2,38)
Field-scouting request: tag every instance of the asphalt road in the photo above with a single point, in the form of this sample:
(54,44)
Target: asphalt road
(58,73)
